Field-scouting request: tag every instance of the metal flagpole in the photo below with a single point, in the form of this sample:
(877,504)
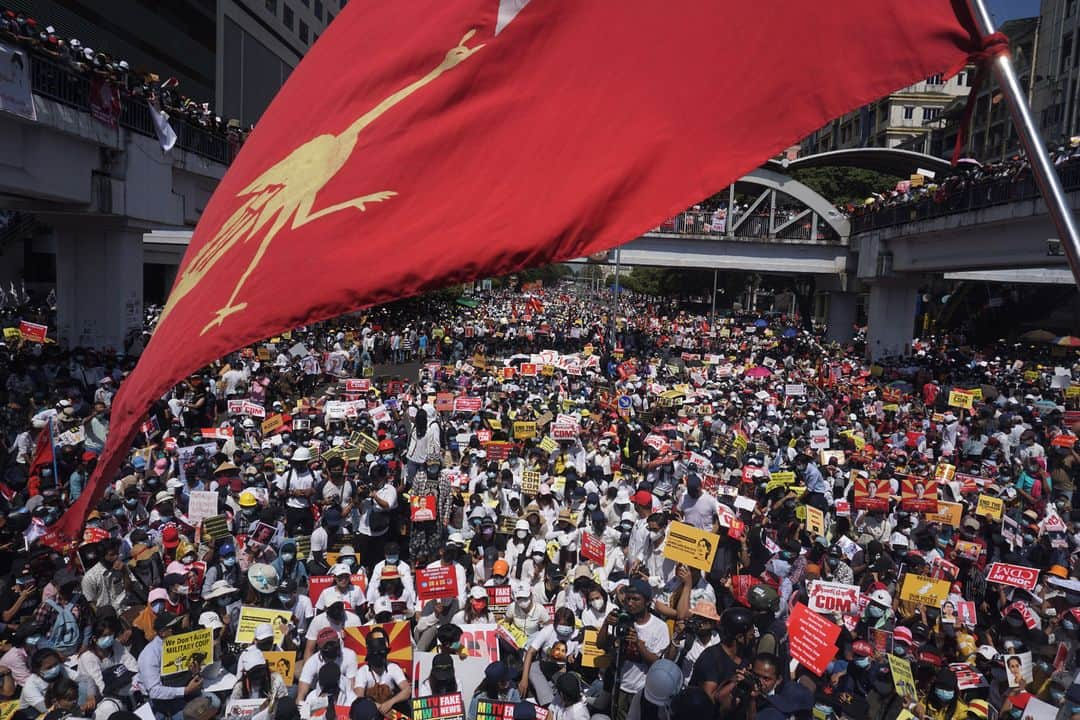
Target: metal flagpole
(712,313)
(615,299)
(1046,178)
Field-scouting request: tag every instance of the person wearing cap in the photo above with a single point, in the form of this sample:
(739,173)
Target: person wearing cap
(695,507)
(300,609)
(331,652)
(643,508)
(164,699)
(257,681)
(342,590)
(287,565)
(295,487)
(116,695)
(381,680)
(497,686)
(693,636)
(225,567)
(329,526)
(391,591)
(644,643)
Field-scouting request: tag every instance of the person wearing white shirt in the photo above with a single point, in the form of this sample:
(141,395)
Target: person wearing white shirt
(342,590)
(382,681)
(331,652)
(336,618)
(561,632)
(648,639)
(392,558)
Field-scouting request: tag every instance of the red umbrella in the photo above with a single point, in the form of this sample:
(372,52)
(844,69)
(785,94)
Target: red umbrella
(758,371)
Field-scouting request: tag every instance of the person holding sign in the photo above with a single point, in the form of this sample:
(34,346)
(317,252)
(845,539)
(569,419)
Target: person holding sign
(257,681)
(164,699)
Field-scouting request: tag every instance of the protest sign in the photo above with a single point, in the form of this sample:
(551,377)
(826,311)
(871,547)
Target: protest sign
(833,597)
(399,643)
(871,494)
(689,545)
(592,656)
(966,613)
(524,430)
(438,707)
(812,639)
(961,399)
(924,590)
(903,679)
(437,582)
(33,332)
(948,513)
(530,482)
(1018,576)
(815,521)
(592,548)
(990,507)
(283,663)
(499,598)
(252,616)
(180,653)
(201,504)
(467,404)
(1019,670)
(422,508)
(272,423)
(918,494)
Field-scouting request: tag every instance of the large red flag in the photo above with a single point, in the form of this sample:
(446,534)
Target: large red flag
(416,147)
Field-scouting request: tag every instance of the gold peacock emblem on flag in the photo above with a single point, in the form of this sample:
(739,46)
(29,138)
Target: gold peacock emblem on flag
(284,195)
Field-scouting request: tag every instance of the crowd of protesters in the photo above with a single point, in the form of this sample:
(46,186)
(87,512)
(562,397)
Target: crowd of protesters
(538,516)
(42,40)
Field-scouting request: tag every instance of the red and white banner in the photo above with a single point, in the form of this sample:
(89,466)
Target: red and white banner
(217,433)
(437,582)
(832,597)
(33,332)
(357,386)
(560,431)
(593,548)
(467,404)
(812,639)
(246,407)
(1019,576)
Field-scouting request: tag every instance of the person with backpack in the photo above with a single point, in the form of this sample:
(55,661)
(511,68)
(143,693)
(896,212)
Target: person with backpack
(63,617)
(296,487)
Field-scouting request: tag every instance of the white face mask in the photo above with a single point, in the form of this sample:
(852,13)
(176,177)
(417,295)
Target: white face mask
(598,604)
(524,603)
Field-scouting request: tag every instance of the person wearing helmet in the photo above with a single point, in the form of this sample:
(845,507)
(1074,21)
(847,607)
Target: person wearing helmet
(879,610)
(295,487)
(224,567)
(716,667)
(245,521)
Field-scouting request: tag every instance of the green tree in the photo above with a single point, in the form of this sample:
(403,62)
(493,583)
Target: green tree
(842,185)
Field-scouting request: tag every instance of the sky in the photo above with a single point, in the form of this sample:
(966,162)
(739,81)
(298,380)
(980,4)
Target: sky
(1008,9)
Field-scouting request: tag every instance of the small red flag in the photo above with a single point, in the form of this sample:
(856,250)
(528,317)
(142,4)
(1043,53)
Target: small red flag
(477,138)
(43,453)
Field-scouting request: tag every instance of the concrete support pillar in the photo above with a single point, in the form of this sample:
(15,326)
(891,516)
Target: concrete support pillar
(99,284)
(891,317)
(840,320)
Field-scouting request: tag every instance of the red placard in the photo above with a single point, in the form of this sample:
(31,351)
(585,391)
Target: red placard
(467,404)
(357,386)
(1018,576)
(500,597)
(1063,440)
(592,548)
(422,508)
(444,402)
(508,373)
(32,331)
(483,435)
(871,494)
(217,433)
(437,582)
(812,639)
(918,494)
(498,450)
(528,370)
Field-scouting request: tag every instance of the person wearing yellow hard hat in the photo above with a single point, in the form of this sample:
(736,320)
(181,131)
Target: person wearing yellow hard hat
(244,521)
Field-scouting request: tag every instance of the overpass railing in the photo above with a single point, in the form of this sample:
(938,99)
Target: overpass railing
(57,82)
(978,195)
(784,226)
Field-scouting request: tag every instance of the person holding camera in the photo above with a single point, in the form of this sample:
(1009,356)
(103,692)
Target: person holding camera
(693,637)
(717,668)
(640,638)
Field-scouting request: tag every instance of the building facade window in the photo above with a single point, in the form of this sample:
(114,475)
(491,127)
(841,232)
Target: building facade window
(302,31)
(287,16)
(909,112)
(931,113)
(271,7)
(934,80)
(317,9)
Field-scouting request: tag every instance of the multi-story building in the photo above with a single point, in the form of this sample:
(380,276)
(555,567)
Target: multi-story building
(1056,102)
(233,54)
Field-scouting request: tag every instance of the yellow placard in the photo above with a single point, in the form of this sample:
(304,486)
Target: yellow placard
(689,545)
(8,709)
(251,616)
(961,399)
(12,334)
(924,590)
(948,513)
(1073,391)
(181,652)
(990,507)
(263,354)
(524,430)
(903,680)
(548,445)
(783,478)
(283,663)
(860,442)
(591,654)
(494,424)
(815,521)
(1031,375)
(976,393)
(530,482)
(272,423)
(547,370)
